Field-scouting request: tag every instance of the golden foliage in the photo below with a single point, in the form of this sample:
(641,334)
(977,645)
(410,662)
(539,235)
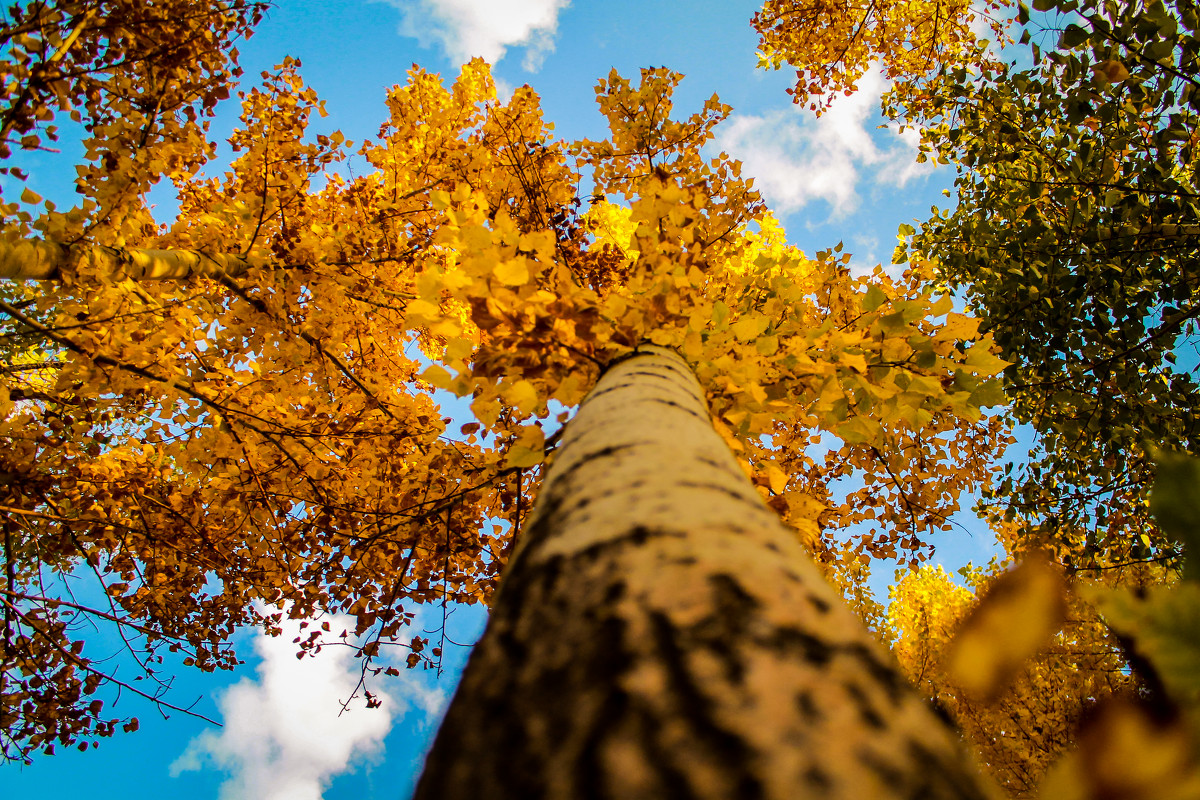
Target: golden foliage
(209,449)
(833,44)
(1021,727)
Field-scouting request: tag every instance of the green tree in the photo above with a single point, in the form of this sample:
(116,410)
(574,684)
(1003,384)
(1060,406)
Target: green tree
(1074,237)
(1074,231)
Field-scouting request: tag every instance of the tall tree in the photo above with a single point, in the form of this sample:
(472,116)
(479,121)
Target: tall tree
(1082,171)
(1073,237)
(659,633)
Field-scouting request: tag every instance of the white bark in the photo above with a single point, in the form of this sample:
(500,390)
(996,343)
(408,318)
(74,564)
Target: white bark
(660,634)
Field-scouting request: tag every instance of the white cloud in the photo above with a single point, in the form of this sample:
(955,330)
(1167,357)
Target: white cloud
(796,158)
(486,28)
(285,735)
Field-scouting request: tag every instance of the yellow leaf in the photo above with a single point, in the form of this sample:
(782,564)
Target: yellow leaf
(29,196)
(520,456)
(458,348)
(571,391)
(960,326)
(422,312)
(858,430)
(437,376)
(926,385)
(1015,619)
(776,477)
(747,328)
(982,361)
(514,272)
(767,345)
(522,396)
(855,361)
(1125,753)
(1113,70)
(529,449)
(486,410)
(445,328)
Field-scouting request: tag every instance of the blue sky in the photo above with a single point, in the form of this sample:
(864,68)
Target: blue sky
(839,178)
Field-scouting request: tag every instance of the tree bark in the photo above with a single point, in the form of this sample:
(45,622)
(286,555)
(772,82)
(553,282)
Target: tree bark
(38,260)
(660,634)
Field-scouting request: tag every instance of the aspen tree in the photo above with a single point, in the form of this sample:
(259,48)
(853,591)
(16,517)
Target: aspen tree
(660,634)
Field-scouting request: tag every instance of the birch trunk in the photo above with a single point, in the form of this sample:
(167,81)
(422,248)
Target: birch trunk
(660,634)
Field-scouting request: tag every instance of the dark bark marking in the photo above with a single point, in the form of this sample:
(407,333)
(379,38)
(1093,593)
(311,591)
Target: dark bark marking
(808,707)
(809,648)
(693,705)
(636,537)
(774,548)
(889,774)
(865,710)
(940,710)
(733,607)
(881,673)
(725,466)
(943,778)
(816,778)
(604,452)
(756,502)
(662,400)
(657,375)
(821,606)
(733,601)
(607,657)
(615,592)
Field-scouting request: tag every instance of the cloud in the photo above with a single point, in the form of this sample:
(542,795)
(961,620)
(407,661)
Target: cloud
(285,736)
(485,28)
(796,158)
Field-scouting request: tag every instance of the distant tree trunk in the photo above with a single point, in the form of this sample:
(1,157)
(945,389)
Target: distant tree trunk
(38,260)
(660,634)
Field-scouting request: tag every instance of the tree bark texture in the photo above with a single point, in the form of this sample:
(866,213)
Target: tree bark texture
(37,260)
(659,633)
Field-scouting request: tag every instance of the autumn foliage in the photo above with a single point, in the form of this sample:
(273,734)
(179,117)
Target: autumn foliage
(217,451)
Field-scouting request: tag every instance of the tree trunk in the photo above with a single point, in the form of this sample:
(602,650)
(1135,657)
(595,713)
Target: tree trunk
(37,260)
(660,634)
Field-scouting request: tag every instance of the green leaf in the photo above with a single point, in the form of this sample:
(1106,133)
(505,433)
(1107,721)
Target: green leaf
(989,393)
(1175,502)
(874,298)
(720,313)
(1074,35)
(1164,626)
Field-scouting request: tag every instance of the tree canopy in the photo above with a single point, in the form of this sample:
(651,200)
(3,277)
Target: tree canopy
(258,434)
